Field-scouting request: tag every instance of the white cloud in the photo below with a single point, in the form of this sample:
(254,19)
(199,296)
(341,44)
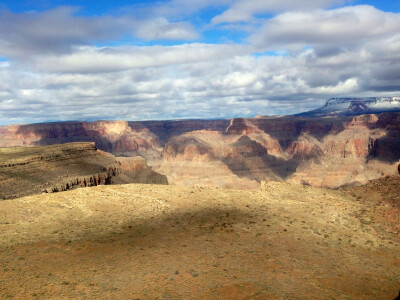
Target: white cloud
(244,10)
(176,9)
(240,85)
(343,27)
(57,73)
(94,59)
(57,31)
(161,29)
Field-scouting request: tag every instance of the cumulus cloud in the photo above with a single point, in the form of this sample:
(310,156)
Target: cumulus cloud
(244,10)
(232,86)
(58,30)
(176,9)
(293,62)
(342,27)
(53,30)
(94,59)
(161,29)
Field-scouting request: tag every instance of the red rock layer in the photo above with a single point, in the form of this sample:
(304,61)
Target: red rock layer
(329,151)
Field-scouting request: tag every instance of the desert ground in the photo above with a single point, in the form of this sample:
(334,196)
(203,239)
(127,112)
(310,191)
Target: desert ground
(138,241)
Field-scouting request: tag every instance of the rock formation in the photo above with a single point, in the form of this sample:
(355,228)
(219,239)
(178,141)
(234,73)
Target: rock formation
(136,170)
(116,137)
(328,151)
(47,169)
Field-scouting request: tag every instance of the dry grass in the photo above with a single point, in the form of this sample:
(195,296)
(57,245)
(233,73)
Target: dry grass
(169,242)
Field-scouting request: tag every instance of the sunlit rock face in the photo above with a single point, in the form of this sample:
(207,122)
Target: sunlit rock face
(328,151)
(116,137)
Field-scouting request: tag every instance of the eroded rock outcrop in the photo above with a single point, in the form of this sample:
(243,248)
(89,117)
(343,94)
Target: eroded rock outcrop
(327,152)
(32,170)
(116,137)
(305,148)
(136,170)
(65,184)
(187,148)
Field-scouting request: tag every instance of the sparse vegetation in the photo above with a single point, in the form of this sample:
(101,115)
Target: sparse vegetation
(140,240)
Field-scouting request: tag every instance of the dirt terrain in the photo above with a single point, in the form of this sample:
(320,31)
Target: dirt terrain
(138,241)
(381,198)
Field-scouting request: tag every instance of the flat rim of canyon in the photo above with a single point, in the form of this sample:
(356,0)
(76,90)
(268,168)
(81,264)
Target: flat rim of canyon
(146,241)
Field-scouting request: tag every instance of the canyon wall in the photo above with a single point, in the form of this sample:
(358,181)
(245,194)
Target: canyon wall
(48,169)
(239,153)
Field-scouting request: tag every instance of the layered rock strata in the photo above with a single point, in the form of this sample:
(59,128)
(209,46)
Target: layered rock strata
(327,152)
(32,170)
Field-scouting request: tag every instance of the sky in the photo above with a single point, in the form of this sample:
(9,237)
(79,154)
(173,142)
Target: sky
(181,59)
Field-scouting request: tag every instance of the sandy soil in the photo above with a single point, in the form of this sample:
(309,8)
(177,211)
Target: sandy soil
(169,242)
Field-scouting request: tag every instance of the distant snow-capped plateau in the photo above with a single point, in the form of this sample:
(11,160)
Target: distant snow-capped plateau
(356,106)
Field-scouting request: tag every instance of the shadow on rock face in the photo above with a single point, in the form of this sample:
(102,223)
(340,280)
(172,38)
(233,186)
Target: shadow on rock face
(250,159)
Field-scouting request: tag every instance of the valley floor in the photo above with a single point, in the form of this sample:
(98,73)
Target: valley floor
(168,242)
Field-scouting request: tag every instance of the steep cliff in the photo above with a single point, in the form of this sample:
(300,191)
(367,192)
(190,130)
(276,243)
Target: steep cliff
(328,151)
(47,169)
(116,137)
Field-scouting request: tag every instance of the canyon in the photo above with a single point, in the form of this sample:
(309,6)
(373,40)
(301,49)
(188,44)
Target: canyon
(324,151)
(271,207)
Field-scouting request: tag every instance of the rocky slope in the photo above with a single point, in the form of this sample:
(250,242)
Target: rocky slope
(47,169)
(327,151)
(380,197)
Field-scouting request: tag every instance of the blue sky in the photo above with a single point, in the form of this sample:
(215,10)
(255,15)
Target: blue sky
(137,60)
